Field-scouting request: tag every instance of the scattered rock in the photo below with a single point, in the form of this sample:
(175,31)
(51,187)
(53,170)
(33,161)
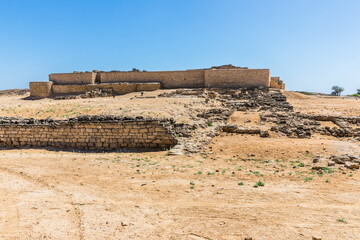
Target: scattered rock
(316,238)
(331,163)
(264,134)
(349,162)
(351,165)
(317,168)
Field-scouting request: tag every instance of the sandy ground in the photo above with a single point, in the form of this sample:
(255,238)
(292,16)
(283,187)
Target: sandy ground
(148,195)
(125,105)
(324,105)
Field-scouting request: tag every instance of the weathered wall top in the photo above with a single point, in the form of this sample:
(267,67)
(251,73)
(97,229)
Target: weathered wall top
(71,78)
(79,119)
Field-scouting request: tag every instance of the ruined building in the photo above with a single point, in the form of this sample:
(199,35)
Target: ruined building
(120,82)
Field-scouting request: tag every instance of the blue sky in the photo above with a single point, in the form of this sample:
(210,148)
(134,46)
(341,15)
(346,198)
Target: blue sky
(311,44)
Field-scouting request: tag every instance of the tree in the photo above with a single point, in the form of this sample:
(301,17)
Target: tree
(337,90)
(358,91)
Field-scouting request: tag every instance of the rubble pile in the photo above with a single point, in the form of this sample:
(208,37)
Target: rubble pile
(343,161)
(303,126)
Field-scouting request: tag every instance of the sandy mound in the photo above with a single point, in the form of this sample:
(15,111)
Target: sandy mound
(295,95)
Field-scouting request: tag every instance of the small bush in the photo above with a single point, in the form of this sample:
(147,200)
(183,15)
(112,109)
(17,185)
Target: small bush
(307,179)
(341,220)
(259,184)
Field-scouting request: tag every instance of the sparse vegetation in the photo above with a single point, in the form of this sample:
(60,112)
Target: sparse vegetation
(257,173)
(336,90)
(259,184)
(307,179)
(301,165)
(357,94)
(341,220)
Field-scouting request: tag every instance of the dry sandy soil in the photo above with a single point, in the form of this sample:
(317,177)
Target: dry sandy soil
(148,195)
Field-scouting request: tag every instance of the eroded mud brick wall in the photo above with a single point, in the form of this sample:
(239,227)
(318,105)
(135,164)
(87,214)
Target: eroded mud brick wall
(237,78)
(89,134)
(72,78)
(168,79)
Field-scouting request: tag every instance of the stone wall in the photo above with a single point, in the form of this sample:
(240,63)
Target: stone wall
(237,78)
(275,82)
(168,79)
(117,88)
(40,89)
(72,78)
(118,82)
(87,132)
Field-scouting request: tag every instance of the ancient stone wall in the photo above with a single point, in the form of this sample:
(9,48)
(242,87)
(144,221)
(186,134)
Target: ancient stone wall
(40,89)
(87,132)
(118,82)
(168,79)
(275,82)
(72,78)
(237,78)
(117,88)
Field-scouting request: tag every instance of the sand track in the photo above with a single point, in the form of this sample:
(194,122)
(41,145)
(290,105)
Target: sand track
(30,184)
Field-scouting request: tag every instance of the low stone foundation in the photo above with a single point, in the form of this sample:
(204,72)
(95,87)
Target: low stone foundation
(88,133)
(48,89)
(117,88)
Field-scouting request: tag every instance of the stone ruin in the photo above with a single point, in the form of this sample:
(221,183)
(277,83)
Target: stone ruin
(121,82)
(276,116)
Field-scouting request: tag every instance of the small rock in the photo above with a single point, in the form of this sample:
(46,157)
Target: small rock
(351,165)
(352,157)
(331,163)
(264,134)
(316,159)
(316,238)
(356,160)
(317,168)
(340,159)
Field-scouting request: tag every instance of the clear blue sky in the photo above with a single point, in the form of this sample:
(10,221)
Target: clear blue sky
(311,44)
